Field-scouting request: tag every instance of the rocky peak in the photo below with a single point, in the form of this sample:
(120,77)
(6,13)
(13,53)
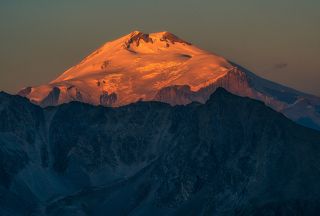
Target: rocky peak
(169,37)
(135,37)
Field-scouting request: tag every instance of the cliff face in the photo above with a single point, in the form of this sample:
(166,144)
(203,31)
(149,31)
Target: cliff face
(234,81)
(229,156)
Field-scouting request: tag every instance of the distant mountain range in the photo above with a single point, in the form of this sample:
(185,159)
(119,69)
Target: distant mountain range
(229,156)
(162,67)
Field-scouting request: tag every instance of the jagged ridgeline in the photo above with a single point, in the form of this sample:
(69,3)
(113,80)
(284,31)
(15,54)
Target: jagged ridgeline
(229,156)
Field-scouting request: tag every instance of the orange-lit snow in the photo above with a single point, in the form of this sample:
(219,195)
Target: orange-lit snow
(136,70)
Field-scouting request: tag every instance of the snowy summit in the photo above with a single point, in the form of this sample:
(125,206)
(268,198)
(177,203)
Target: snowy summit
(163,67)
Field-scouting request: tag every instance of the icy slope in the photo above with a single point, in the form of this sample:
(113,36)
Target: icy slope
(133,68)
(161,66)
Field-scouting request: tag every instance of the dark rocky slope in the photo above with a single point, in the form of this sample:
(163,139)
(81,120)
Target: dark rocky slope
(230,156)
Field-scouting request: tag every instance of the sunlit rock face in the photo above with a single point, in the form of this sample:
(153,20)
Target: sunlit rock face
(162,67)
(229,156)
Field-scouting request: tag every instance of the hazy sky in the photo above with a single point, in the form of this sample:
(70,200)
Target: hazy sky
(276,39)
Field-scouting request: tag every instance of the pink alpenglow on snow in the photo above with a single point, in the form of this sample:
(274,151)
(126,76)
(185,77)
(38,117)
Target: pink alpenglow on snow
(162,67)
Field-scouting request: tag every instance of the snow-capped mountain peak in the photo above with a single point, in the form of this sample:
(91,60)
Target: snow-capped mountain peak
(131,68)
(161,66)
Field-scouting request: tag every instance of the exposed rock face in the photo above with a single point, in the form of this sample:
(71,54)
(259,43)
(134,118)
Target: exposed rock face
(136,37)
(229,156)
(52,99)
(25,92)
(74,94)
(176,95)
(235,81)
(108,100)
(171,38)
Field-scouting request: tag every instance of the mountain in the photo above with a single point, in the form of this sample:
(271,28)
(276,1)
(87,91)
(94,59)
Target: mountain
(162,67)
(229,156)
